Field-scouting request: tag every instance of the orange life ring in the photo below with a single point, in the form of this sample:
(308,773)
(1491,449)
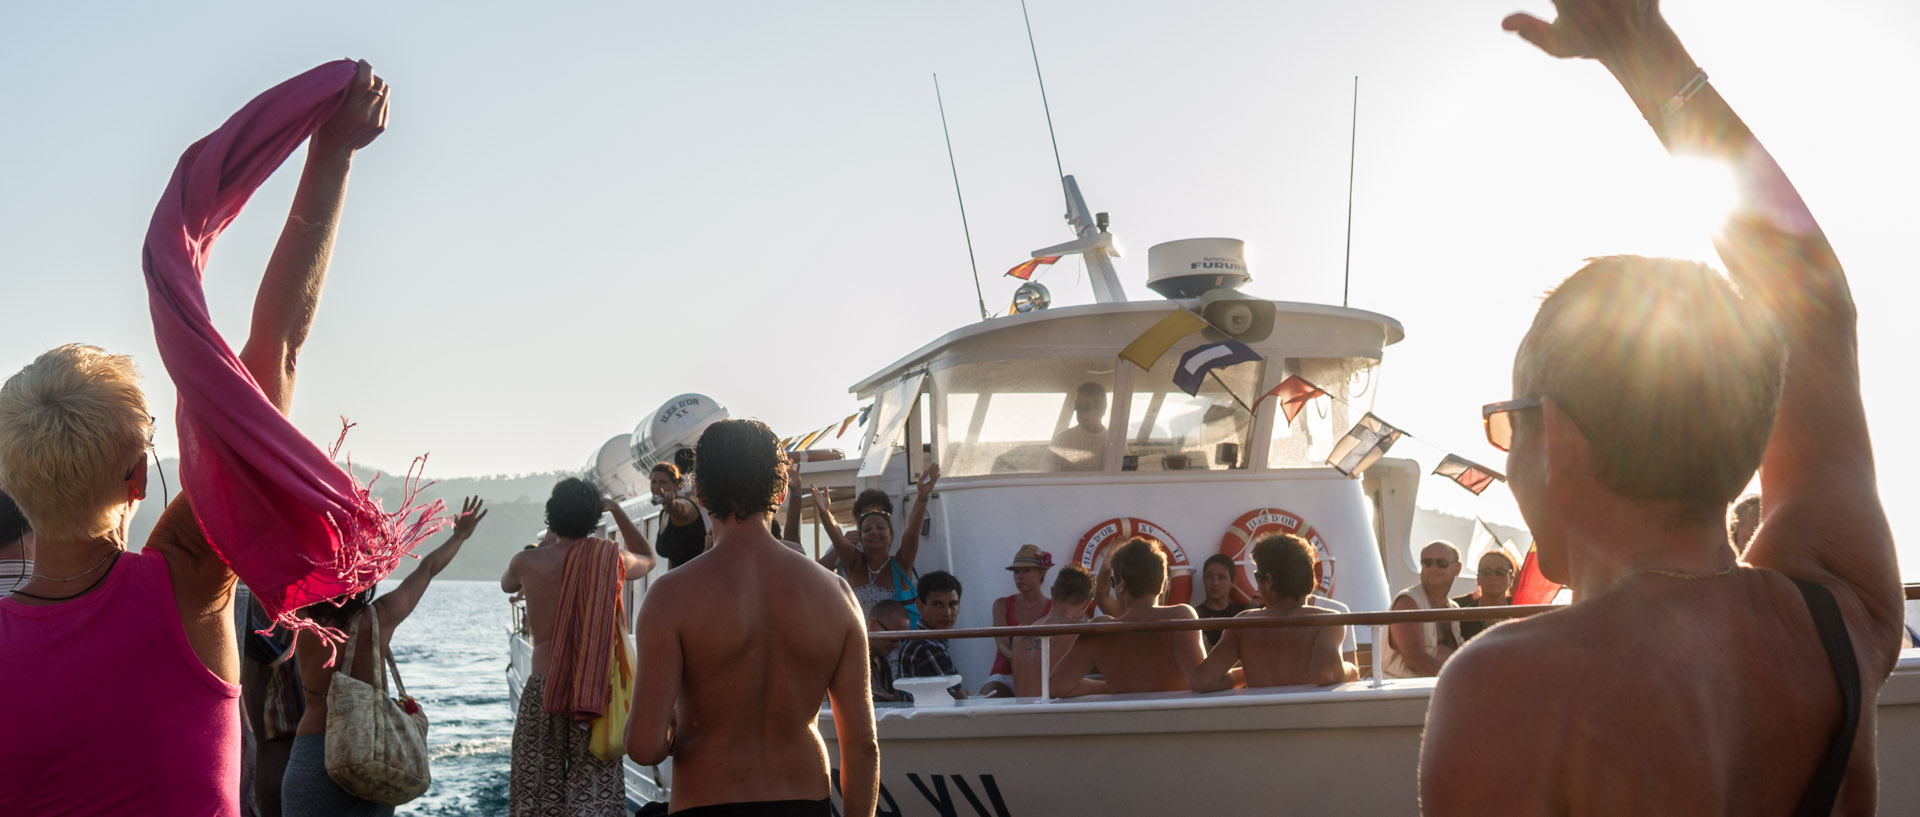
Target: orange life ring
(1261,522)
(1115,532)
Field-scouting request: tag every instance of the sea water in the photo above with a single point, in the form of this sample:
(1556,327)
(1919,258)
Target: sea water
(452,654)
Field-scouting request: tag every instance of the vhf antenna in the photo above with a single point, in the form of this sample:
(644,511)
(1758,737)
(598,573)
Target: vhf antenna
(955,166)
(1035,50)
(1353,136)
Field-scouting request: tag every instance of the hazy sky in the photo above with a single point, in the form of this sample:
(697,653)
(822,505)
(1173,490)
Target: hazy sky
(579,212)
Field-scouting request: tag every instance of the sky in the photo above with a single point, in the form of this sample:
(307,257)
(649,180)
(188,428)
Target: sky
(578,212)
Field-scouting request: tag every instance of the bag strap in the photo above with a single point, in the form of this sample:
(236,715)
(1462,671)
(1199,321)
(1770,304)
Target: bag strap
(1824,790)
(353,643)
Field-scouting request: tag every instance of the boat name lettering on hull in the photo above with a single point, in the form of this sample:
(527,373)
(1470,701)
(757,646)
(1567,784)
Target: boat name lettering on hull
(946,795)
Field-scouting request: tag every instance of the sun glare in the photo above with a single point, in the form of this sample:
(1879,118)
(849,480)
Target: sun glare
(1700,196)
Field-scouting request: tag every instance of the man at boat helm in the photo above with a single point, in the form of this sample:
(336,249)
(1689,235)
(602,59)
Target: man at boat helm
(1414,649)
(1682,681)
(730,680)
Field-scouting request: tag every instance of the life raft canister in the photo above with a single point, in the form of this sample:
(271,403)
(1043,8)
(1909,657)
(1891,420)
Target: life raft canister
(1115,532)
(1259,523)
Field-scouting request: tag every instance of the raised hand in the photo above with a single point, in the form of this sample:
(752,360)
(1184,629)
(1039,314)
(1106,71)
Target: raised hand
(822,500)
(360,119)
(928,479)
(472,510)
(1603,30)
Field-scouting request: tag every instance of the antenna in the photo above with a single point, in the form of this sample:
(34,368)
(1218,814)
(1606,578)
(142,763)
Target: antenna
(1043,89)
(964,229)
(1353,137)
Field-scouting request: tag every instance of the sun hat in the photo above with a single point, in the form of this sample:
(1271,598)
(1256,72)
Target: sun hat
(1031,556)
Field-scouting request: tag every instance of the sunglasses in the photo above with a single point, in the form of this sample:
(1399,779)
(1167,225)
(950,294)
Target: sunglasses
(1498,418)
(1496,571)
(1439,563)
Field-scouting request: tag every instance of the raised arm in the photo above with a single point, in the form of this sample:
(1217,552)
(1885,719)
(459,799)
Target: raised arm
(290,291)
(1822,519)
(638,558)
(1103,598)
(910,538)
(823,506)
(850,694)
(395,606)
(791,527)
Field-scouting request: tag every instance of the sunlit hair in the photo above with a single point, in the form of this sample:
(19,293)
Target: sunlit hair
(574,508)
(742,472)
(1746,511)
(1141,567)
(1072,585)
(71,425)
(671,471)
(1673,376)
(1286,560)
(1222,560)
(1513,567)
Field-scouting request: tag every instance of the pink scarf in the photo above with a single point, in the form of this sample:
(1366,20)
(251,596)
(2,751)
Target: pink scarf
(290,522)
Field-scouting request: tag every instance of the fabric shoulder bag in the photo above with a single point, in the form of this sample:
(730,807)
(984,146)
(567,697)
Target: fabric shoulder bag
(376,745)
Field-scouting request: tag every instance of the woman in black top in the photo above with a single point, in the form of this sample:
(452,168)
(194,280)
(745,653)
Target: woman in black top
(683,531)
(1495,589)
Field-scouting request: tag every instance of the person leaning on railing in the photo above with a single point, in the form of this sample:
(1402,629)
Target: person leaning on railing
(1283,565)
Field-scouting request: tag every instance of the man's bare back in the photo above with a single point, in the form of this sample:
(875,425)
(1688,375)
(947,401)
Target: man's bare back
(1027,670)
(1133,662)
(1287,656)
(536,573)
(740,645)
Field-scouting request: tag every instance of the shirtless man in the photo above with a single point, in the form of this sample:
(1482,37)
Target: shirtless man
(1072,589)
(1287,656)
(738,646)
(1416,650)
(1682,681)
(1133,662)
(552,760)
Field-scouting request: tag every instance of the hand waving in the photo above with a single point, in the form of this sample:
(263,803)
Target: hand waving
(1604,30)
(360,119)
(471,512)
(928,479)
(822,500)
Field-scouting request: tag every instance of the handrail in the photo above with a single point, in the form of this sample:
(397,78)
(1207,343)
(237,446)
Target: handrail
(1236,623)
(1912,592)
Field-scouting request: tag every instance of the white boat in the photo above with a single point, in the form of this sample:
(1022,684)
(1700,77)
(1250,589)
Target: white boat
(991,402)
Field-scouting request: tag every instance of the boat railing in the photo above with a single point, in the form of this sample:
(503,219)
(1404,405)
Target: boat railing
(1378,621)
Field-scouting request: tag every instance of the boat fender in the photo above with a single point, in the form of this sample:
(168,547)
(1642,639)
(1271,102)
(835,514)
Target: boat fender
(1260,523)
(1115,532)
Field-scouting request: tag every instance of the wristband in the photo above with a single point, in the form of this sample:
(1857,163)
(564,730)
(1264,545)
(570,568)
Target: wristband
(1686,93)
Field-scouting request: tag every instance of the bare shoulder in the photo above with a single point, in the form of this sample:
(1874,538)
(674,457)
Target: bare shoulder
(1404,602)
(1178,612)
(1504,673)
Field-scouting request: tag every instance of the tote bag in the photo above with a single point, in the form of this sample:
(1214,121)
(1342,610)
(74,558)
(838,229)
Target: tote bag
(376,745)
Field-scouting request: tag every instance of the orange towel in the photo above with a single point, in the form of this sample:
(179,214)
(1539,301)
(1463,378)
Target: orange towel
(589,618)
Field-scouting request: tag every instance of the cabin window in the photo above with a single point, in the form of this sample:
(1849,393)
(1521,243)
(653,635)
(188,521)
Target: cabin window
(1306,442)
(1170,430)
(1023,416)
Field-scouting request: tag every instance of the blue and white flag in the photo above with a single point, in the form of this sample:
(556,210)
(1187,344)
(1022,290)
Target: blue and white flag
(1194,365)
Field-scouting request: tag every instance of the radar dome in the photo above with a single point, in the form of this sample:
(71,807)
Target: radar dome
(1191,267)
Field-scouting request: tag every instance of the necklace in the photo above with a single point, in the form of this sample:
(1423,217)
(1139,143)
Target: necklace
(76,577)
(89,588)
(873,573)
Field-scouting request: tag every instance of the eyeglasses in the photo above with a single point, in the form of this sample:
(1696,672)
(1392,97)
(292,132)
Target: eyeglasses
(1498,418)
(1443,564)
(1496,571)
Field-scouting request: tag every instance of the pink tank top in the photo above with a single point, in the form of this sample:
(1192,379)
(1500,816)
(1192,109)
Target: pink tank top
(108,711)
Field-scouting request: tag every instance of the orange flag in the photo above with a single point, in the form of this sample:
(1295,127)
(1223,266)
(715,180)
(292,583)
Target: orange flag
(1024,270)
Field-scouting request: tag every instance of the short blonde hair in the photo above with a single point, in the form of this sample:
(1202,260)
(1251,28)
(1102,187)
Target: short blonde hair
(71,423)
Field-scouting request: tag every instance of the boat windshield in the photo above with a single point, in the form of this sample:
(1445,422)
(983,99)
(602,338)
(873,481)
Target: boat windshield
(1170,430)
(1023,416)
(1306,442)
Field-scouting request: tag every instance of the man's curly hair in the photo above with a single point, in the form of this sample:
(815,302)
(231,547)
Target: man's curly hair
(739,470)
